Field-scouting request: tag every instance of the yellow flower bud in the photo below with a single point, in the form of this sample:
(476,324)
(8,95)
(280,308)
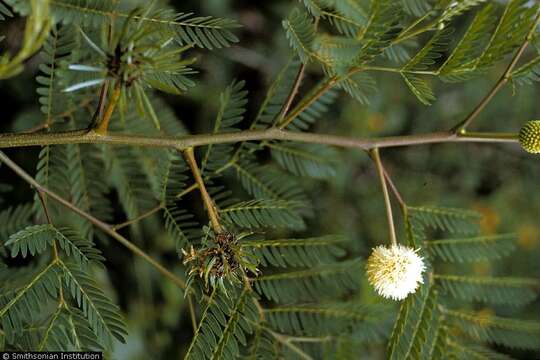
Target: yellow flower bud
(529,136)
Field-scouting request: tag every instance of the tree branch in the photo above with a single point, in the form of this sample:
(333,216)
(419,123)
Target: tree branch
(98,223)
(462,126)
(11,140)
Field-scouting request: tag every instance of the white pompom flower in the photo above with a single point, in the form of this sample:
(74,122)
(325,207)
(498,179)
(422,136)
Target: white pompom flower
(395,271)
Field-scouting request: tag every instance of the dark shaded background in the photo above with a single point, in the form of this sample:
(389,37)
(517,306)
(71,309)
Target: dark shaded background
(499,181)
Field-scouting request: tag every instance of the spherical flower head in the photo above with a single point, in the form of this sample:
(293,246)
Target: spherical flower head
(529,136)
(395,271)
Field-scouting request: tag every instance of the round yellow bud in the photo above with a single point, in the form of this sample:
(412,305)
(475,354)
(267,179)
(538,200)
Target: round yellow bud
(529,136)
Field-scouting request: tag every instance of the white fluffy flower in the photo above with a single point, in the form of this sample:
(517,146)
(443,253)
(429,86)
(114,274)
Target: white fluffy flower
(395,271)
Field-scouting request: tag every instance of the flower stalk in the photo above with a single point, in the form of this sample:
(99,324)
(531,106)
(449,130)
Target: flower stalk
(189,155)
(103,127)
(387,203)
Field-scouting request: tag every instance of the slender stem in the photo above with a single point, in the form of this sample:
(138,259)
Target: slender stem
(284,340)
(180,143)
(397,70)
(138,218)
(295,88)
(98,223)
(101,104)
(103,126)
(206,178)
(305,339)
(192,313)
(294,91)
(56,257)
(68,113)
(156,208)
(37,128)
(260,309)
(421,30)
(490,135)
(394,189)
(208,202)
(389,216)
(462,126)
(230,163)
(43,202)
(187,191)
(406,34)
(304,104)
(330,82)
(290,98)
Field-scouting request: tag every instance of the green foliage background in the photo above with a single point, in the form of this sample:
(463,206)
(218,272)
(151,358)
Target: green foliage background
(498,181)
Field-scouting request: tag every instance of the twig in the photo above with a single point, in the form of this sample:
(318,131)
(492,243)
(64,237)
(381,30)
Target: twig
(305,339)
(462,126)
(56,257)
(327,84)
(47,124)
(103,126)
(138,218)
(183,142)
(44,206)
(394,188)
(192,313)
(390,218)
(407,33)
(398,70)
(290,98)
(489,135)
(98,223)
(208,202)
(101,104)
(37,128)
(294,90)
(43,202)
(187,190)
(284,340)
